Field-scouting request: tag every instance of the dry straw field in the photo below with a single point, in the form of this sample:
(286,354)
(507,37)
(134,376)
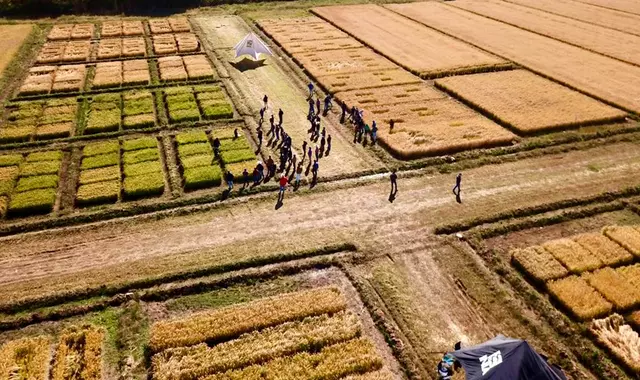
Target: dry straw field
(11,38)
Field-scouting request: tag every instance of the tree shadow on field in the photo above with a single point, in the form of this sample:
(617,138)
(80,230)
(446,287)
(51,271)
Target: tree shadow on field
(247,64)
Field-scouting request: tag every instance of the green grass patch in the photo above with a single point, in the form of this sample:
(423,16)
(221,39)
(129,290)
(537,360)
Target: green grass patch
(141,143)
(202,177)
(108,173)
(197,161)
(142,155)
(100,161)
(241,143)
(233,156)
(192,137)
(145,185)
(142,168)
(94,149)
(32,202)
(37,182)
(52,155)
(10,160)
(98,193)
(39,168)
(196,149)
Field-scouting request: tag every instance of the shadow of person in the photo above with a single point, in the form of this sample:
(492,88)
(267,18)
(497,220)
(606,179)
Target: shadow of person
(306,172)
(392,195)
(246,64)
(458,199)
(225,195)
(279,203)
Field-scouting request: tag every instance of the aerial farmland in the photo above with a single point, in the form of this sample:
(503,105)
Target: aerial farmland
(319,189)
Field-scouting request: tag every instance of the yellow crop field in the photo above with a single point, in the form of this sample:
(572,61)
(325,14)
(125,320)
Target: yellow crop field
(632,274)
(514,98)
(26,358)
(626,236)
(79,354)
(392,95)
(619,338)
(572,255)
(236,320)
(11,38)
(614,287)
(575,294)
(609,252)
(294,47)
(332,62)
(367,80)
(315,29)
(539,263)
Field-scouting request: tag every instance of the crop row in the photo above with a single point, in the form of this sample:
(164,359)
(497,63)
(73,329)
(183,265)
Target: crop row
(101,175)
(26,358)
(118,28)
(333,362)
(79,354)
(29,186)
(310,334)
(43,80)
(230,322)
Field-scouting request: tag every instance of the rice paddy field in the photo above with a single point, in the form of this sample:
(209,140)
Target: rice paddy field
(126,254)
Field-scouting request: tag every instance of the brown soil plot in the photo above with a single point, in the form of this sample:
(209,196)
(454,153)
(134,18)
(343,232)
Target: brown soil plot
(11,38)
(406,42)
(584,12)
(331,62)
(435,127)
(602,77)
(320,45)
(292,32)
(528,102)
(373,97)
(609,42)
(367,79)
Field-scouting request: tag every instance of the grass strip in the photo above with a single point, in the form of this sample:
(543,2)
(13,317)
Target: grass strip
(230,322)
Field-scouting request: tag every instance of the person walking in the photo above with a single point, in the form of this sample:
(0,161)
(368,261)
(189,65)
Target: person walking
(298,175)
(317,153)
(328,145)
(261,114)
(374,133)
(343,115)
(260,169)
(314,170)
(456,188)
(266,101)
(259,139)
(256,176)
(245,178)
(310,154)
(304,148)
(394,182)
(216,147)
(310,87)
(311,110)
(280,115)
(283,186)
(327,104)
(229,177)
(270,165)
(322,142)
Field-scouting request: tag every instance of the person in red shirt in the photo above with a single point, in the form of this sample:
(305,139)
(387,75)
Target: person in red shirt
(283,186)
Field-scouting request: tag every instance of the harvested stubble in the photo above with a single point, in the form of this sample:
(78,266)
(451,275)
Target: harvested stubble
(529,103)
(198,67)
(435,127)
(164,44)
(132,28)
(611,80)
(69,78)
(407,42)
(158,26)
(38,81)
(333,362)
(626,236)
(82,31)
(187,42)
(51,52)
(60,32)
(109,48)
(111,29)
(614,287)
(315,29)
(121,47)
(179,24)
(367,79)
(294,47)
(79,354)
(619,338)
(331,62)
(119,73)
(26,358)
(609,252)
(632,274)
(77,51)
(231,322)
(172,69)
(572,255)
(135,72)
(539,263)
(392,95)
(576,295)
(194,362)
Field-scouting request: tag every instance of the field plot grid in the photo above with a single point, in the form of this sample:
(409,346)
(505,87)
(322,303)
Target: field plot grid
(528,103)
(39,120)
(422,50)
(604,78)
(64,52)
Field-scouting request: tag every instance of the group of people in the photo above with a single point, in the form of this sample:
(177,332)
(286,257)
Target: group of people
(362,130)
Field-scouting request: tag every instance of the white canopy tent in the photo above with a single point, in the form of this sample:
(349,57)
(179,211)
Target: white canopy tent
(252,45)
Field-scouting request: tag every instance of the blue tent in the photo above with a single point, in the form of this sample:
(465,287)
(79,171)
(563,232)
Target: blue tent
(503,358)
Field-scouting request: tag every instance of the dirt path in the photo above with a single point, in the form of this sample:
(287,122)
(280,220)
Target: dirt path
(222,33)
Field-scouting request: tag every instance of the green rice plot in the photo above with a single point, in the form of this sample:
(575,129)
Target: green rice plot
(138,110)
(39,201)
(233,156)
(202,177)
(141,143)
(98,193)
(145,185)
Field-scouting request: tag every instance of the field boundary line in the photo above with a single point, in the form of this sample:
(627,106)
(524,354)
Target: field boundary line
(609,8)
(635,113)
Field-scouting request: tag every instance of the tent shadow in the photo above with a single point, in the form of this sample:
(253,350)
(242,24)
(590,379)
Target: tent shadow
(247,64)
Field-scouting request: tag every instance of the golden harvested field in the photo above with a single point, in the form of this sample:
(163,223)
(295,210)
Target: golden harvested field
(626,236)
(575,294)
(71,31)
(315,29)
(121,28)
(407,43)
(527,102)
(629,6)
(29,357)
(435,127)
(619,338)
(599,76)
(367,79)
(590,14)
(612,43)
(410,93)
(632,274)
(615,288)
(539,263)
(572,255)
(294,47)
(603,248)
(53,79)
(11,38)
(333,62)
